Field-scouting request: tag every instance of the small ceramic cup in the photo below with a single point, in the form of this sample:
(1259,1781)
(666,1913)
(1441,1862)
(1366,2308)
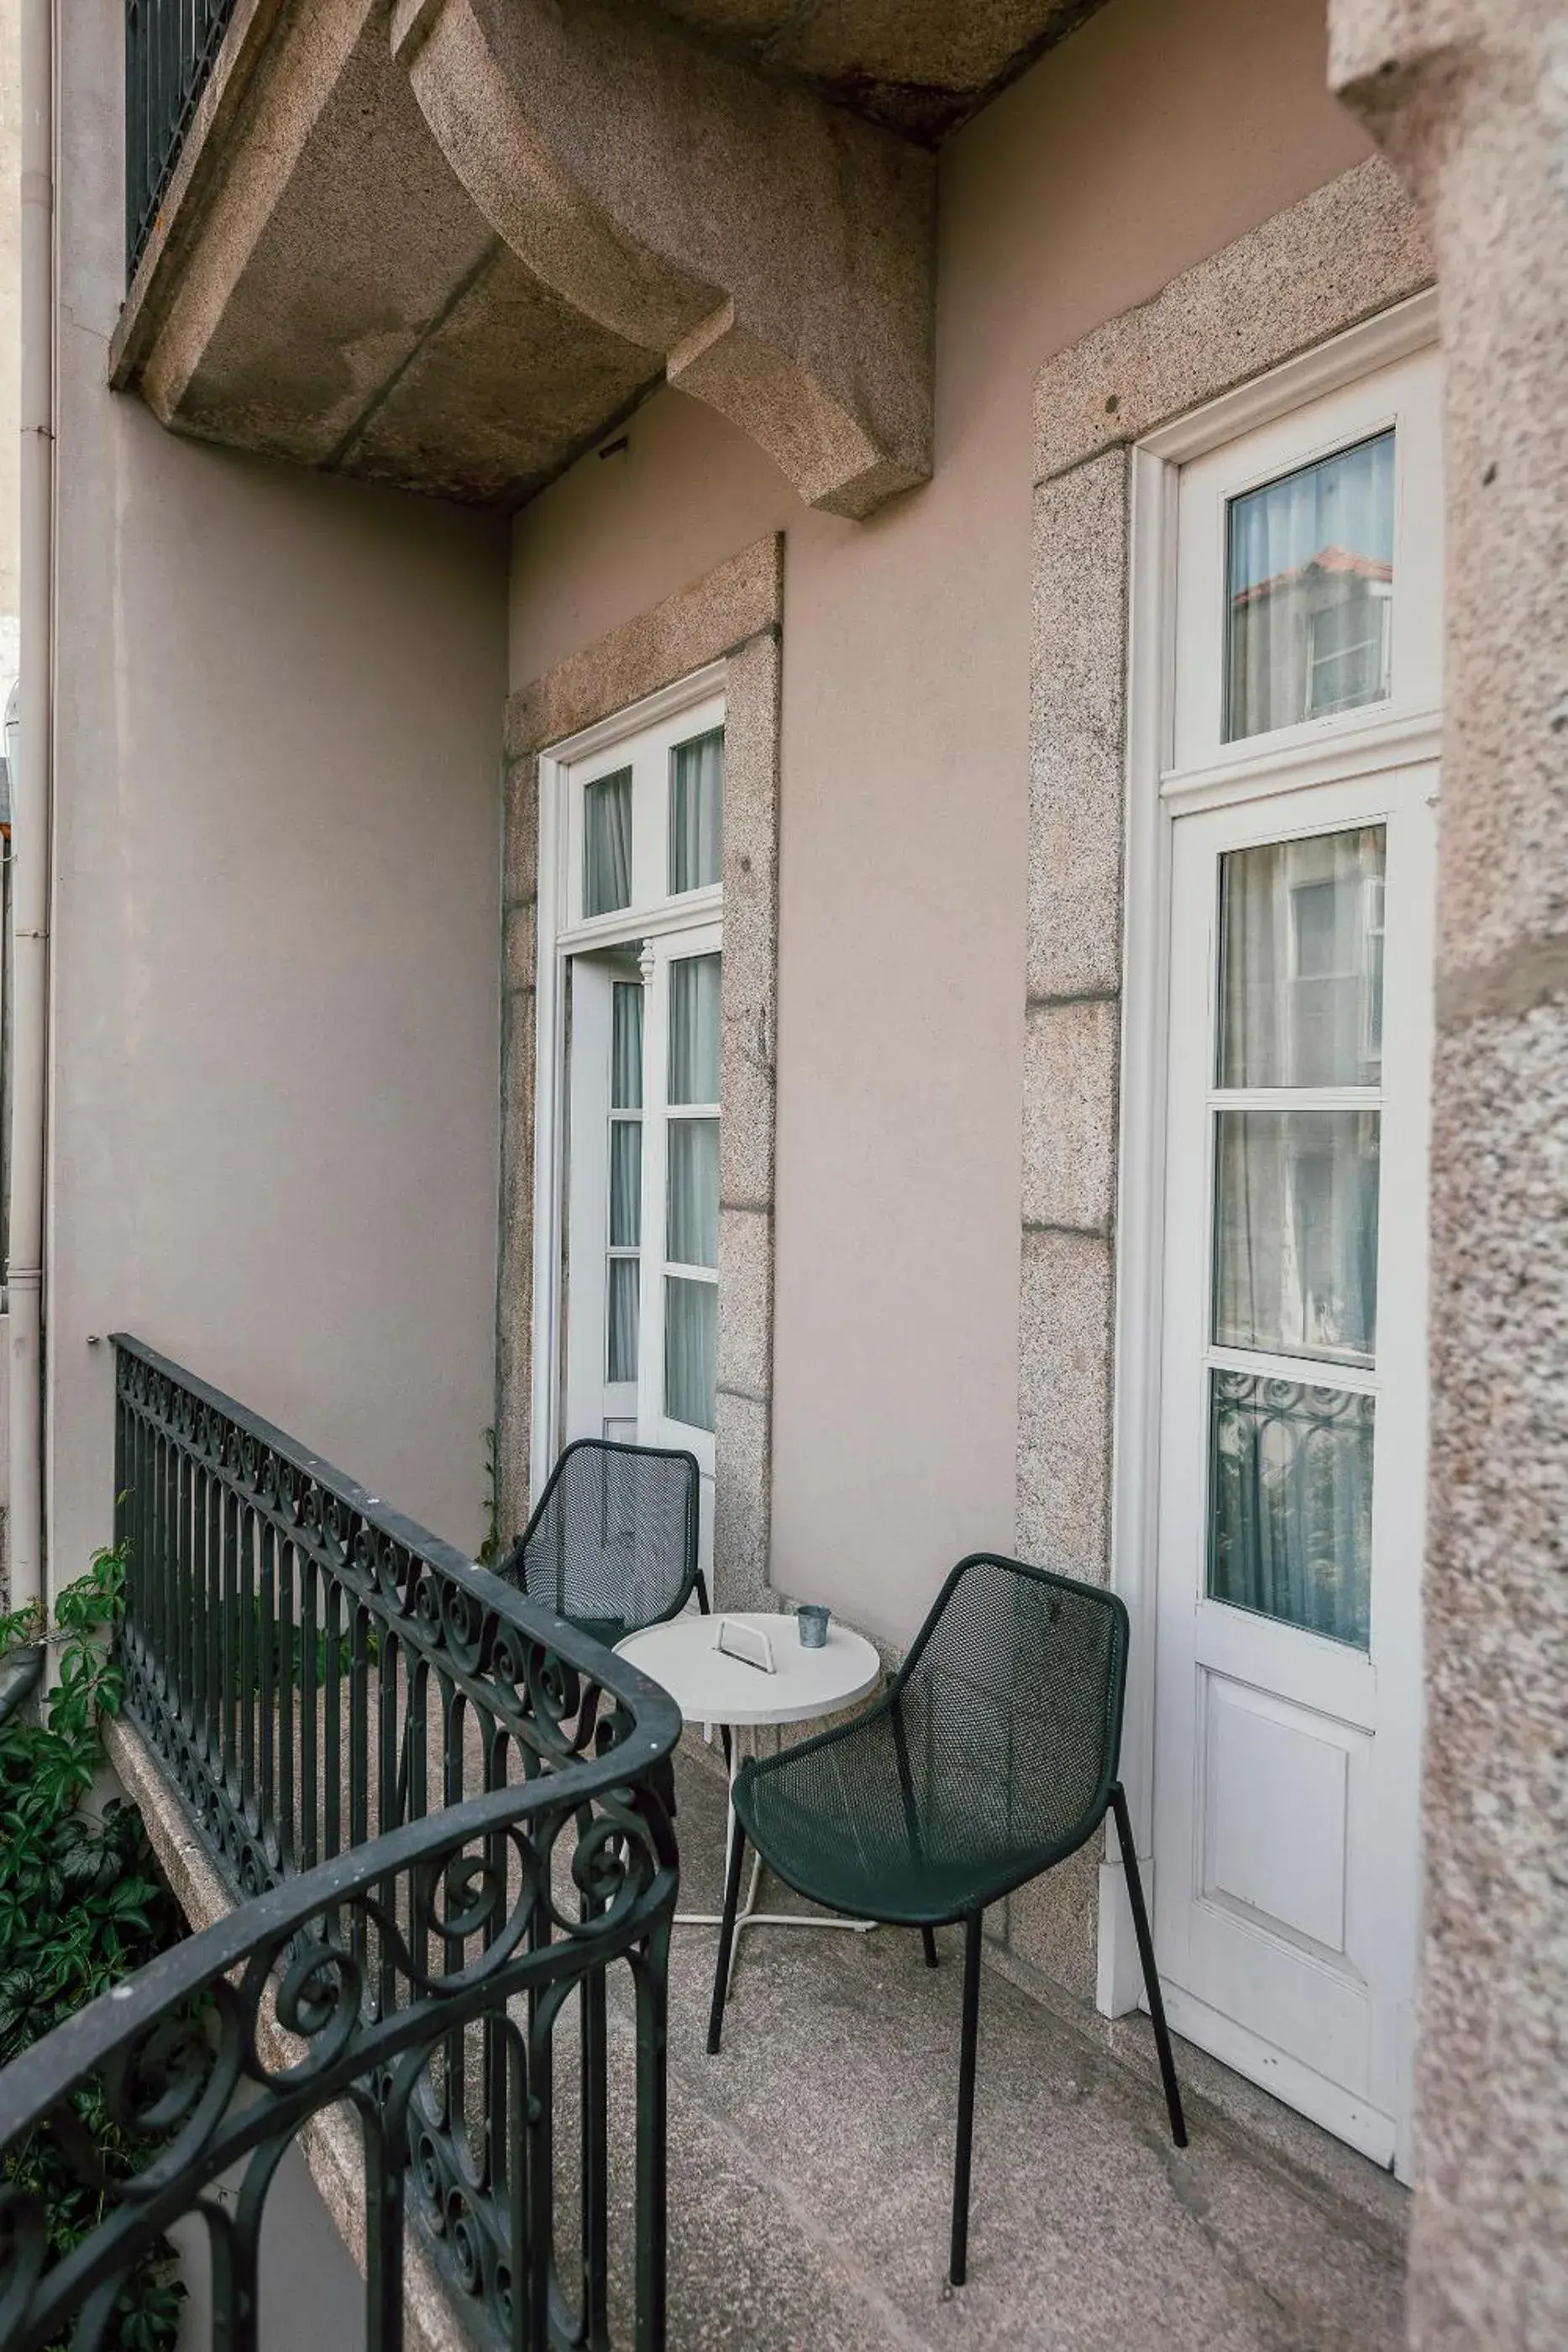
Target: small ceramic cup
(812,1618)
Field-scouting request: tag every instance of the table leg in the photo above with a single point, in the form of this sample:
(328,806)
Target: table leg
(748,1915)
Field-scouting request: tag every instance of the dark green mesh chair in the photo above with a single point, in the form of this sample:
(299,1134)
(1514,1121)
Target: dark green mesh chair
(992,1756)
(612,1546)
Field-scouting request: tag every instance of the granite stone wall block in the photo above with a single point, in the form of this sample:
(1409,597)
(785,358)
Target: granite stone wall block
(1077,726)
(1064,1402)
(742,1498)
(1348,250)
(1070,1051)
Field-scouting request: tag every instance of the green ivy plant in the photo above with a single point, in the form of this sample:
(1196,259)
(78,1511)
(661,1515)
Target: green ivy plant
(81,1905)
(489,1551)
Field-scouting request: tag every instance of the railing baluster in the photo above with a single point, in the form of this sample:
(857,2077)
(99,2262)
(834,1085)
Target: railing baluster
(333,1662)
(170,48)
(245,1693)
(270,1606)
(232,1631)
(310,1723)
(267,1692)
(288,1684)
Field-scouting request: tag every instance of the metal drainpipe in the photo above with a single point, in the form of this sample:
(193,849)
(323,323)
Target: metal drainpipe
(32,813)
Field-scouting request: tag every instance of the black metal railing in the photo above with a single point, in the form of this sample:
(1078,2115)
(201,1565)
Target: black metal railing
(170,47)
(443,1810)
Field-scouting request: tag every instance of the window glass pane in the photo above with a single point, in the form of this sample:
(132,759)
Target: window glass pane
(621,1349)
(1295,1232)
(1290,1502)
(696,794)
(1309,592)
(625,1184)
(626,1047)
(607,844)
(692,1237)
(1300,962)
(690,1329)
(693,1030)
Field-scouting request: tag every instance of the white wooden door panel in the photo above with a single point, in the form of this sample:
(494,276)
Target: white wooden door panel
(1287,1750)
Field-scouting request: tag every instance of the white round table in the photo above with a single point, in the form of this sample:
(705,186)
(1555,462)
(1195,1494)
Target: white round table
(710,1685)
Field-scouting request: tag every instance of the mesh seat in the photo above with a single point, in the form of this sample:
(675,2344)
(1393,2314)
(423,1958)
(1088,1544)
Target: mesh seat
(992,1756)
(612,1546)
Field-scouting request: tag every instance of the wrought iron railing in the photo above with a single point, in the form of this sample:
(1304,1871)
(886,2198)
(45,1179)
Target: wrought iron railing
(443,1812)
(170,47)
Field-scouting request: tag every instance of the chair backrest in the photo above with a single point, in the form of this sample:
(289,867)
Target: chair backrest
(1009,1708)
(613,1543)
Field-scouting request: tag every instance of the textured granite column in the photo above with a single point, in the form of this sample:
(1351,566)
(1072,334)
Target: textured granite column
(1469,97)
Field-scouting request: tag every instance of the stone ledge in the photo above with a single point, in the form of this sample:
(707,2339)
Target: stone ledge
(713,616)
(328,2142)
(1349,249)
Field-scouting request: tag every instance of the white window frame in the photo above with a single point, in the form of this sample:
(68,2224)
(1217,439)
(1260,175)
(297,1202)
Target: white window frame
(688,706)
(1157,792)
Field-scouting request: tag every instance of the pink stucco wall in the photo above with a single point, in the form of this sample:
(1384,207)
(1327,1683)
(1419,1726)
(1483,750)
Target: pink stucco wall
(1161,130)
(275,925)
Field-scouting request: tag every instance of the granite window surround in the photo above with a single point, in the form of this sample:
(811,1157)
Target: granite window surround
(732,614)
(1350,249)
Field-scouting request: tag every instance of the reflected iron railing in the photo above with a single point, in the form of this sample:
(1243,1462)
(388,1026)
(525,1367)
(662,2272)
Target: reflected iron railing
(170,48)
(441,1811)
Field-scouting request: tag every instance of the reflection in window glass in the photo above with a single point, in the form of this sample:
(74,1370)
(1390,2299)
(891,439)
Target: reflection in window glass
(691,1223)
(621,1349)
(696,798)
(1295,1233)
(694,1029)
(1290,1502)
(626,1047)
(607,844)
(625,1182)
(1301,961)
(691,1336)
(1309,592)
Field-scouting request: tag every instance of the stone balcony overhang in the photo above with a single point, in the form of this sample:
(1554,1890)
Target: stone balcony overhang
(447,244)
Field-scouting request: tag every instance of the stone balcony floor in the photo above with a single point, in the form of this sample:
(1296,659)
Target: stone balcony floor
(811,2167)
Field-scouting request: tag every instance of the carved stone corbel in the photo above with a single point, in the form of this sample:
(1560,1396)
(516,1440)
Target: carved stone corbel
(774,252)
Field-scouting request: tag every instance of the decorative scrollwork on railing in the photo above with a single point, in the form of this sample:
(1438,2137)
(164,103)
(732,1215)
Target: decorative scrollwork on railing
(429,1796)
(213,2059)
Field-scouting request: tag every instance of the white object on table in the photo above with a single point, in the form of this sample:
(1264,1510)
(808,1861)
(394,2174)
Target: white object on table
(711,1685)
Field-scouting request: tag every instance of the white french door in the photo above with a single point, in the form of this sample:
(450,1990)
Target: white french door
(631,1154)
(1292,1401)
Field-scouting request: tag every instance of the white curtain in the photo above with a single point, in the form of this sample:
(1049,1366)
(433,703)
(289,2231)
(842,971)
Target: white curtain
(626,1047)
(691,1238)
(1300,551)
(696,797)
(1295,1233)
(694,1029)
(625,1184)
(607,844)
(1300,981)
(1290,1470)
(621,1349)
(691,1333)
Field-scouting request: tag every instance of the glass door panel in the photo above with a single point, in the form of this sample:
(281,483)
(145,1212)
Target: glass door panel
(1290,1502)
(1296,1121)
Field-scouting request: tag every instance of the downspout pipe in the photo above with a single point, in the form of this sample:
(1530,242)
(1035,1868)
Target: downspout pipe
(31,821)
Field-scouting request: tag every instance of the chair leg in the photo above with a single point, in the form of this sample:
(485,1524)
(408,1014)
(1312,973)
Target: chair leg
(1146,1954)
(928,1940)
(726,1940)
(957,2267)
